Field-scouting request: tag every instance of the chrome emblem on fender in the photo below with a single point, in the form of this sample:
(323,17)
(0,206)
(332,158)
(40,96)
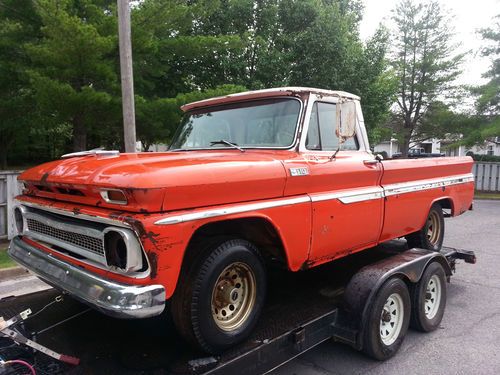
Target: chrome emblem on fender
(302,171)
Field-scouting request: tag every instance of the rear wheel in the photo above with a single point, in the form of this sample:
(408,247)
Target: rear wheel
(432,233)
(219,299)
(388,320)
(429,299)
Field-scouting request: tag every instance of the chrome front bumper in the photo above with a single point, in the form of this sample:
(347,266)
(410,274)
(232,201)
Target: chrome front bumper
(109,297)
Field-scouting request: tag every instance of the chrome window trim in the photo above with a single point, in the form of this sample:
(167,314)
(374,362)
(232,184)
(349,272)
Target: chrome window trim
(360,132)
(291,146)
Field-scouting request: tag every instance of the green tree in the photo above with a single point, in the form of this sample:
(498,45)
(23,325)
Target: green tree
(425,64)
(18,25)
(74,67)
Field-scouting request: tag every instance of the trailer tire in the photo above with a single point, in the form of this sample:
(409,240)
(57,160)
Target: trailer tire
(388,319)
(429,299)
(432,233)
(220,297)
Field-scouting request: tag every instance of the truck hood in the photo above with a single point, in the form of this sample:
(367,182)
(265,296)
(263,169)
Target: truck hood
(156,182)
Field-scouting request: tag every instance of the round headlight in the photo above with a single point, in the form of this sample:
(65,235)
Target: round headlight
(116,249)
(18,218)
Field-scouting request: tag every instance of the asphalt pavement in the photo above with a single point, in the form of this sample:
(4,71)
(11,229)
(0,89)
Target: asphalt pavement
(468,341)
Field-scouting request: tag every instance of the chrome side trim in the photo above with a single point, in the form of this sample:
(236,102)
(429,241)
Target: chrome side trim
(346,197)
(351,196)
(231,210)
(419,185)
(112,298)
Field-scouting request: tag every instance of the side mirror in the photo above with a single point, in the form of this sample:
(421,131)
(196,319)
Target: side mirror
(346,127)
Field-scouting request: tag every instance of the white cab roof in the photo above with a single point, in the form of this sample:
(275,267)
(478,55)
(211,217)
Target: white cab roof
(279,91)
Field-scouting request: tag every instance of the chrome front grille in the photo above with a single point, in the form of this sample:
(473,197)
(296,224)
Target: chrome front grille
(82,238)
(92,244)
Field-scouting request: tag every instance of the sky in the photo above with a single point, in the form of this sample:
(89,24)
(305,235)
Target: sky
(467,17)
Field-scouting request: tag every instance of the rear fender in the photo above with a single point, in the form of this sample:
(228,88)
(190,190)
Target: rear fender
(364,285)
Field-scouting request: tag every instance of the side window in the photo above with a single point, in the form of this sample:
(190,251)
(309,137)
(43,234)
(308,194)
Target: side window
(321,134)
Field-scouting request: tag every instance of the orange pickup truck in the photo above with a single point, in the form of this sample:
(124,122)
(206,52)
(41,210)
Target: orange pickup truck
(280,176)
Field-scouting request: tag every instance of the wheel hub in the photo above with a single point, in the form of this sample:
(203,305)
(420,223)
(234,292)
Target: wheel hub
(433,228)
(233,296)
(391,319)
(432,297)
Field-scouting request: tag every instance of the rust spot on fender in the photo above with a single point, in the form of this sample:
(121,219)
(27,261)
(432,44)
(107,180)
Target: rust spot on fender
(76,211)
(44,178)
(153,261)
(306,265)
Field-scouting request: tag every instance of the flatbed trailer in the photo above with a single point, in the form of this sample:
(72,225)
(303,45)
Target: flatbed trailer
(302,310)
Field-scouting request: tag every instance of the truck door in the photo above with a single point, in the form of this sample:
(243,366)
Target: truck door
(347,200)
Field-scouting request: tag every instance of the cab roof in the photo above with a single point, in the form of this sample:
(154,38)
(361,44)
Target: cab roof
(266,93)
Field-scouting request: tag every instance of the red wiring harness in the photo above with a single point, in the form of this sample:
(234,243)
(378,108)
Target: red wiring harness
(18,361)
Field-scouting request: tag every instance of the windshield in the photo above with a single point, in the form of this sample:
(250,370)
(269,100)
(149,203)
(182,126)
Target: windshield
(261,123)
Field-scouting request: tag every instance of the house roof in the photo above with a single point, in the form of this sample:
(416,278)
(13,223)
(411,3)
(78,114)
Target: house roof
(257,94)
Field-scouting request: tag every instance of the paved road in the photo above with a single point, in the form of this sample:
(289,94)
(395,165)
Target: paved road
(469,339)
(21,285)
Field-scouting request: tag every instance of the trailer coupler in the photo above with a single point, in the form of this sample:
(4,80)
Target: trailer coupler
(452,254)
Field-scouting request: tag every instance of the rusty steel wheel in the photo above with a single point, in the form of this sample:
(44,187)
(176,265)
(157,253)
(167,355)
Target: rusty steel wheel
(220,295)
(433,228)
(432,233)
(233,296)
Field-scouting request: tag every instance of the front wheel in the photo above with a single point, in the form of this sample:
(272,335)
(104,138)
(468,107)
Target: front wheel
(388,320)
(432,233)
(219,299)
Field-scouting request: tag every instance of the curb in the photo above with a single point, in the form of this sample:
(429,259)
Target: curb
(11,272)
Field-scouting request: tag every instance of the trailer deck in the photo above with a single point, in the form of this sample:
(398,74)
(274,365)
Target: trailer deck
(301,311)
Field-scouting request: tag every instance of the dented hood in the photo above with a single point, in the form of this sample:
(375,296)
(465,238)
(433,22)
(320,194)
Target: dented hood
(161,181)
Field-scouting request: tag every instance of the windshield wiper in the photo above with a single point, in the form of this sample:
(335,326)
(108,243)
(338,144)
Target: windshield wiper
(224,142)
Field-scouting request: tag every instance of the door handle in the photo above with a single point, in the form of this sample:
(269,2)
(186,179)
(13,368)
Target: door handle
(370,162)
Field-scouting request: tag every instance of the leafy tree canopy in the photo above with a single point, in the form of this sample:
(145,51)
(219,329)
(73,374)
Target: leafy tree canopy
(61,57)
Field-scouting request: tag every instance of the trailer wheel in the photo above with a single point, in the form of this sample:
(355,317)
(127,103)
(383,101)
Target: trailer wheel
(432,233)
(388,320)
(220,298)
(429,299)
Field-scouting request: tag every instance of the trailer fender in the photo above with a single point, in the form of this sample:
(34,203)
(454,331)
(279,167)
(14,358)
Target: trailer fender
(364,285)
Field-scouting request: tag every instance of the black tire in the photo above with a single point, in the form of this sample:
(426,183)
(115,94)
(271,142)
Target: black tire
(429,299)
(375,343)
(421,238)
(192,304)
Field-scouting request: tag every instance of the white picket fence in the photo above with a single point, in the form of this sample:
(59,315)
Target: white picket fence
(487,176)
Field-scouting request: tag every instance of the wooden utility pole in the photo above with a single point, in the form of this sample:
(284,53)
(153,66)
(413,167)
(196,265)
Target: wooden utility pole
(127,75)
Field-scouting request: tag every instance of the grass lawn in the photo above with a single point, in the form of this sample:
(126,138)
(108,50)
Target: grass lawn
(483,195)
(5,261)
